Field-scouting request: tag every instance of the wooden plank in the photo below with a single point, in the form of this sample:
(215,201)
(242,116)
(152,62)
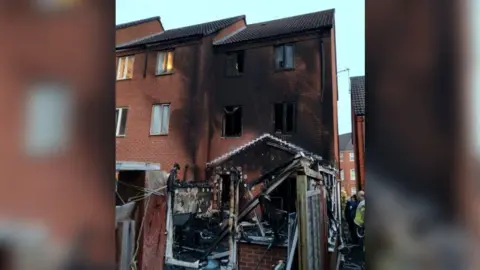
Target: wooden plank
(309,172)
(133,244)
(124,262)
(291,253)
(313,174)
(231,213)
(302,185)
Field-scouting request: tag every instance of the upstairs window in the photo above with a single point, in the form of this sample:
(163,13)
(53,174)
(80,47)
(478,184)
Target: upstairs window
(232,121)
(120,121)
(284,118)
(160,119)
(284,57)
(235,63)
(341,157)
(164,62)
(352,156)
(352,174)
(342,174)
(125,67)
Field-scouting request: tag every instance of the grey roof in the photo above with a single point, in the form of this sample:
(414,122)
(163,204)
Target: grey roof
(279,27)
(345,142)
(202,29)
(265,136)
(133,23)
(357,85)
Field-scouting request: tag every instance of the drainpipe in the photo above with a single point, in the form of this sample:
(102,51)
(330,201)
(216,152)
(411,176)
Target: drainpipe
(322,67)
(238,178)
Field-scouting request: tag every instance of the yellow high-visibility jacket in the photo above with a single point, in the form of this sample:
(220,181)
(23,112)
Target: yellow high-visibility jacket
(360,214)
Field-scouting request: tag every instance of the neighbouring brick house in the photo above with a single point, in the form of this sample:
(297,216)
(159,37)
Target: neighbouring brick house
(347,164)
(137,29)
(358,126)
(192,94)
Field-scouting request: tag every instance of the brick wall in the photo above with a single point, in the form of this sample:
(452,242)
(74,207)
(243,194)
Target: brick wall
(137,31)
(249,255)
(261,86)
(198,90)
(346,165)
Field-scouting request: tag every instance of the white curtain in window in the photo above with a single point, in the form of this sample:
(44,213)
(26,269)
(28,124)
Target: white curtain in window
(165,118)
(289,56)
(156,117)
(161,62)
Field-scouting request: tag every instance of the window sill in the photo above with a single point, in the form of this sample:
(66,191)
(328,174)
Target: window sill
(119,136)
(284,69)
(164,74)
(126,79)
(231,137)
(155,135)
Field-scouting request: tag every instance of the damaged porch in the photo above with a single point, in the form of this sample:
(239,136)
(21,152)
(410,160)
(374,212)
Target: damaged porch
(284,218)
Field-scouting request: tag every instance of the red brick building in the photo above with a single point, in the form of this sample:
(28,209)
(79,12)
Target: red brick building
(358,126)
(137,29)
(192,94)
(347,164)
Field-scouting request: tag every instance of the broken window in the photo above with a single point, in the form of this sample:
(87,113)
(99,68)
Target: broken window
(284,57)
(232,121)
(284,117)
(235,63)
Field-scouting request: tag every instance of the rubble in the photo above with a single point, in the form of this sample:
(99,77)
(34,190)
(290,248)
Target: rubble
(204,226)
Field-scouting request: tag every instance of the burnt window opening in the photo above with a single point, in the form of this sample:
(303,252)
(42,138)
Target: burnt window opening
(285,118)
(284,57)
(232,121)
(225,195)
(235,63)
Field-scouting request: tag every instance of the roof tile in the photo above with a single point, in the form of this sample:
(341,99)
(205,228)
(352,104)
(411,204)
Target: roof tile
(345,142)
(289,25)
(358,94)
(137,22)
(202,29)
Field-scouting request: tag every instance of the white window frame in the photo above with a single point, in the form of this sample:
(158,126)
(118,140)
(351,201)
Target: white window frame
(353,175)
(166,54)
(119,121)
(342,174)
(353,190)
(352,156)
(162,105)
(125,67)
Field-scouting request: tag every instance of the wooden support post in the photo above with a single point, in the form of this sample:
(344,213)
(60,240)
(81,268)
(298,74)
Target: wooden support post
(238,178)
(302,185)
(230,219)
